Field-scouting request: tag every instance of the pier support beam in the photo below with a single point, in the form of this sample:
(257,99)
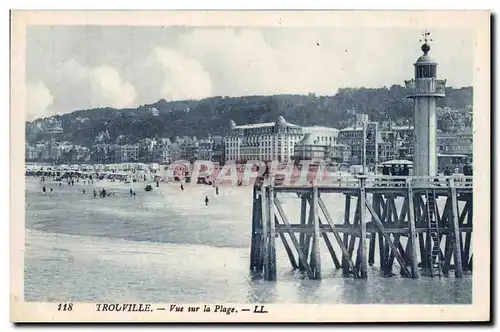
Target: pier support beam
(256,264)
(315,254)
(302,236)
(346,258)
(413,234)
(295,242)
(271,238)
(457,253)
(362,215)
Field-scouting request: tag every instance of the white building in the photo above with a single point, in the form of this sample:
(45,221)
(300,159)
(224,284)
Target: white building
(262,141)
(322,135)
(316,143)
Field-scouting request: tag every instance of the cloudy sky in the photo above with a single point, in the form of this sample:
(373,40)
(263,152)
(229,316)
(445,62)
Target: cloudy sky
(71,68)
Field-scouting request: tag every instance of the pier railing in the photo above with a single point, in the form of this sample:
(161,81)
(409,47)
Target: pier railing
(377,181)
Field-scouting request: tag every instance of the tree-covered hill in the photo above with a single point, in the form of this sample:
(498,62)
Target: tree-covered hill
(211,115)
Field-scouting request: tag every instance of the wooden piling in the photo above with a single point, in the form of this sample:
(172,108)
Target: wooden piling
(255,242)
(264,251)
(295,242)
(271,274)
(303,221)
(391,244)
(254,232)
(413,235)
(347,215)
(288,250)
(362,216)
(371,255)
(315,254)
(457,256)
(345,253)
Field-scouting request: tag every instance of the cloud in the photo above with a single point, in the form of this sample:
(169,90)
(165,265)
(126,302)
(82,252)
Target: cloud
(183,77)
(38,100)
(302,60)
(239,63)
(108,89)
(129,66)
(248,62)
(81,87)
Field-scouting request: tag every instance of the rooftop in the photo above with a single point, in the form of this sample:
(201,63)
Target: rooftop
(320,128)
(352,129)
(256,125)
(263,125)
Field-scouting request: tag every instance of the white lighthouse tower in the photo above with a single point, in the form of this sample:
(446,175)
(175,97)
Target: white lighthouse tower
(424,89)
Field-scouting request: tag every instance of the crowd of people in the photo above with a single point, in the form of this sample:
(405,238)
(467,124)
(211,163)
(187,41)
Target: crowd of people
(103,193)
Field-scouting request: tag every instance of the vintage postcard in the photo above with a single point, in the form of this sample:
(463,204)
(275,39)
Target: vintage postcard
(239,166)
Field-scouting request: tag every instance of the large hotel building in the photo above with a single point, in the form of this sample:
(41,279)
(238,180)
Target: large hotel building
(274,140)
(262,141)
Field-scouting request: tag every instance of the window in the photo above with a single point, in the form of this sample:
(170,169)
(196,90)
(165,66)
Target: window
(426,71)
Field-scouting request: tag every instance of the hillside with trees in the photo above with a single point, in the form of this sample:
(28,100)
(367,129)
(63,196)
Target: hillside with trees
(211,115)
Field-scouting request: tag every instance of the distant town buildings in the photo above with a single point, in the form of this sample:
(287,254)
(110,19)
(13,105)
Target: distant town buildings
(278,140)
(126,153)
(457,143)
(57,151)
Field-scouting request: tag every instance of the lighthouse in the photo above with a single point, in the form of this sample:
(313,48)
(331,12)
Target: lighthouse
(424,89)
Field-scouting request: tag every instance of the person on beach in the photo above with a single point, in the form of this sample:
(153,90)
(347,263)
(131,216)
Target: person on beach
(217,190)
(95,193)
(84,191)
(182,187)
(60,184)
(134,193)
(51,190)
(44,189)
(131,192)
(157,184)
(206,200)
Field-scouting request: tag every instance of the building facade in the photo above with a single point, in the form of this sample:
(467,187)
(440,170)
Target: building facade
(126,153)
(455,143)
(353,136)
(317,144)
(205,151)
(262,141)
(339,153)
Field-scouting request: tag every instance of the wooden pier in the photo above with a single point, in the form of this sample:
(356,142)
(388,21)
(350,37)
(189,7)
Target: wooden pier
(419,237)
